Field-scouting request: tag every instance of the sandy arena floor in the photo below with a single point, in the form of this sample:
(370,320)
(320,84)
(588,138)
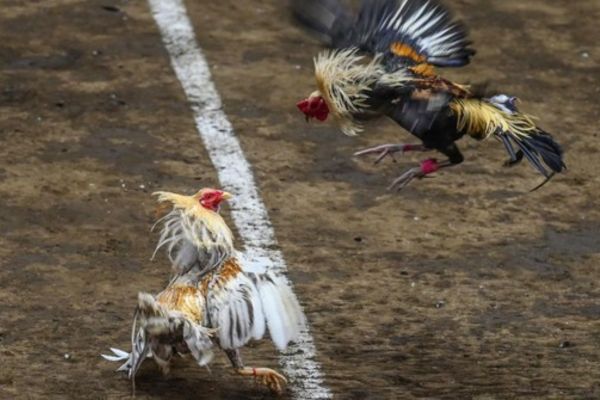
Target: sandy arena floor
(465,286)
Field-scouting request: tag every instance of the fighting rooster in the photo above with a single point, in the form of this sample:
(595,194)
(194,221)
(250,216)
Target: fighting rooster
(382,63)
(212,298)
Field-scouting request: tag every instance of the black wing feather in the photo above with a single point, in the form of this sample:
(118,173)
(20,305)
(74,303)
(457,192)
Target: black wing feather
(424,25)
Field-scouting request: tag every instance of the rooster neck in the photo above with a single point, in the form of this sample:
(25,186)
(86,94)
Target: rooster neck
(344,80)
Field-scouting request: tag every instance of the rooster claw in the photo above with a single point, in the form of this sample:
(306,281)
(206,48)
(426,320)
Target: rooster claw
(274,381)
(267,377)
(383,151)
(403,180)
(427,167)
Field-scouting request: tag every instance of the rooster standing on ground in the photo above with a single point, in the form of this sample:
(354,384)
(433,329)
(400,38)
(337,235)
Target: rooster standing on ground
(382,63)
(212,298)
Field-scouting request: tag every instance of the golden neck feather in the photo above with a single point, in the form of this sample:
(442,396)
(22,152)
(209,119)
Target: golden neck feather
(193,213)
(345,80)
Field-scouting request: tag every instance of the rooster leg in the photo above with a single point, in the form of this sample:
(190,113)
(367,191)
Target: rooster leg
(427,167)
(268,377)
(389,149)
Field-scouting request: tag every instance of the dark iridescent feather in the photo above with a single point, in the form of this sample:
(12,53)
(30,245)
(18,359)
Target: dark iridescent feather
(540,149)
(514,156)
(423,25)
(550,151)
(532,156)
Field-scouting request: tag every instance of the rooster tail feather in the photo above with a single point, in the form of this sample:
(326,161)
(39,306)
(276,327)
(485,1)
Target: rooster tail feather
(539,148)
(283,313)
(481,118)
(548,150)
(117,356)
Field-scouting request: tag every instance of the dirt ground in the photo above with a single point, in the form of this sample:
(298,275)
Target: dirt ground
(465,286)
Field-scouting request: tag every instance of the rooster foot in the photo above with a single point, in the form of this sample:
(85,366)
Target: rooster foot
(267,377)
(385,150)
(427,167)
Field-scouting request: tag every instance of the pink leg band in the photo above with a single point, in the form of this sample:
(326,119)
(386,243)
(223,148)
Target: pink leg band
(429,166)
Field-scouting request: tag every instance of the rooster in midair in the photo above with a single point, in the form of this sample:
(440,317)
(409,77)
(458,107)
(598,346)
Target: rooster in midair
(212,299)
(382,63)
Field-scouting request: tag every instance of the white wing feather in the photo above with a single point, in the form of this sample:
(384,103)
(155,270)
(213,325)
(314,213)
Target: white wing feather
(236,311)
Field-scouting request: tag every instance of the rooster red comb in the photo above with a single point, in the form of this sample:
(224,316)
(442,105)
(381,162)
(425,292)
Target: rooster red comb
(314,107)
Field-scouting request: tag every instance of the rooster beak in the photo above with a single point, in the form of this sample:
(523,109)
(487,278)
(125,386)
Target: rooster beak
(226,196)
(307,118)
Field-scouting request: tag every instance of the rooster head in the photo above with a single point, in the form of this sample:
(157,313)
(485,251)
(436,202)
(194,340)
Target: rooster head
(211,199)
(314,106)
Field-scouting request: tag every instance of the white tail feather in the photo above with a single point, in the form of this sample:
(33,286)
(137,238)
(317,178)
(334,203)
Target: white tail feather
(119,355)
(282,311)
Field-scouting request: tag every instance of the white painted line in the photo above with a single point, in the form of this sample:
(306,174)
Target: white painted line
(248,210)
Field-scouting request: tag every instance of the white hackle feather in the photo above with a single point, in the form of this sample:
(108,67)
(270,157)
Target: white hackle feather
(345,79)
(193,234)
